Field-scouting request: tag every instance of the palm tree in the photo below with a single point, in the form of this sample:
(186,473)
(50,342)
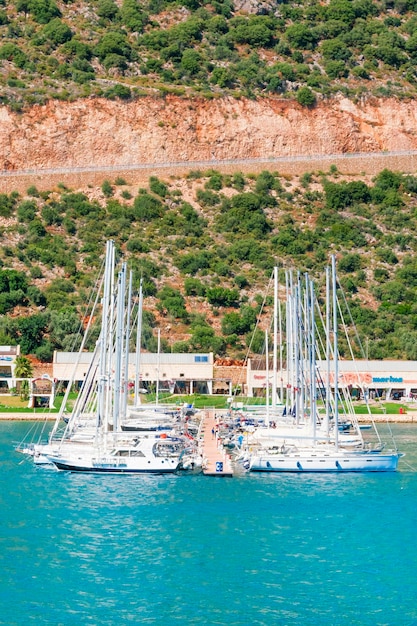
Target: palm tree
(24,390)
(24,367)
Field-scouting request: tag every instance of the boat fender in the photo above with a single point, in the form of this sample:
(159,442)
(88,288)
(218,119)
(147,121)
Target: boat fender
(300,467)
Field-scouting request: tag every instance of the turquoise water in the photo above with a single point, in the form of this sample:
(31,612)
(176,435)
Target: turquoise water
(258,550)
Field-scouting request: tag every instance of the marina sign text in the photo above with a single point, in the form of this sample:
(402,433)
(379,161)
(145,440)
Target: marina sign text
(387,379)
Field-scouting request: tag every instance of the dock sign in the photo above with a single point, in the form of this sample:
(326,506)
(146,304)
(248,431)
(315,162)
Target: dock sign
(219,466)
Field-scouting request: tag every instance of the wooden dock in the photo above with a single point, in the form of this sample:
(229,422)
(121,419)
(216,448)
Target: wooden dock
(216,461)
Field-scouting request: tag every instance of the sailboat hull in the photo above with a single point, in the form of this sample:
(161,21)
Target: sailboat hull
(324,463)
(114,466)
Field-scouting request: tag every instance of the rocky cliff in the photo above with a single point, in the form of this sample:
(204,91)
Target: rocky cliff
(98,132)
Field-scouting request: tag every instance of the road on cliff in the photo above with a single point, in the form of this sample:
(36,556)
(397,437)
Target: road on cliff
(349,157)
(348,163)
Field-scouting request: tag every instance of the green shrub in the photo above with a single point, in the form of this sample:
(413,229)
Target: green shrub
(256,31)
(221,296)
(133,17)
(301,36)
(336,69)
(335,50)
(243,213)
(7,205)
(306,97)
(107,188)
(12,52)
(194,287)
(117,61)
(193,262)
(43,11)
(215,182)
(26,211)
(386,255)
(191,62)
(147,207)
(349,263)
(45,352)
(207,197)
(158,187)
(118,91)
(57,32)
(342,195)
(172,302)
(113,42)
(32,330)
(137,245)
(107,9)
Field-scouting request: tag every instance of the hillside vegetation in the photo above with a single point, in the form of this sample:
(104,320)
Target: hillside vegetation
(205,247)
(124,49)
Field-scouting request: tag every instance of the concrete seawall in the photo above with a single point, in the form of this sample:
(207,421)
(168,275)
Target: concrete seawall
(407,418)
(27,416)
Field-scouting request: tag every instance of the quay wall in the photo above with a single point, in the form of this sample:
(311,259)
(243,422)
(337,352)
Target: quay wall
(405,418)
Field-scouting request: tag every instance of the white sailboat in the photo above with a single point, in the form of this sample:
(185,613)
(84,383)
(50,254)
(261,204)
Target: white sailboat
(306,442)
(144,455)
(102,403)
(153,417)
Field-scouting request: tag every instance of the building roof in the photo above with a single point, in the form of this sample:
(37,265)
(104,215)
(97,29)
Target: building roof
(145,357)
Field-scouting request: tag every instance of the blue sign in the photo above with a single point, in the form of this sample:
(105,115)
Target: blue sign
(219,466)
(386,379)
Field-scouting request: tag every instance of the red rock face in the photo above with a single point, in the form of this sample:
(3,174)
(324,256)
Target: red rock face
(98,132)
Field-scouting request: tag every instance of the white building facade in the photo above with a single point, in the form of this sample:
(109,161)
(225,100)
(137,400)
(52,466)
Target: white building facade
(195,373)
(178,373)
(376,379)
(8,355)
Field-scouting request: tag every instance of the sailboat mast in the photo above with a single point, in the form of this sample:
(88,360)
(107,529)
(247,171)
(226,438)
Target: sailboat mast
(157,367)
(267,377)
(298,351)
(138,344)
(126,346)
(109,391)
(328,388)
(288,333)
(281,348)
(101,405)
(335,356)
(312,359)
(121,295)
(274,352)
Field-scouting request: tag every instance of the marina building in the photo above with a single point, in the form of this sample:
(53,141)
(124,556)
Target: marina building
(388,380)
(183,373)
(177,373)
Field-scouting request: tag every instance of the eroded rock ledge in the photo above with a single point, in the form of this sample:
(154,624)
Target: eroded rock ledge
(98,132)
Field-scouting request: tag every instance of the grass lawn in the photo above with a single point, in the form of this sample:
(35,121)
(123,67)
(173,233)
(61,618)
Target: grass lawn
(15,404)
(389,408)
(202,401)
